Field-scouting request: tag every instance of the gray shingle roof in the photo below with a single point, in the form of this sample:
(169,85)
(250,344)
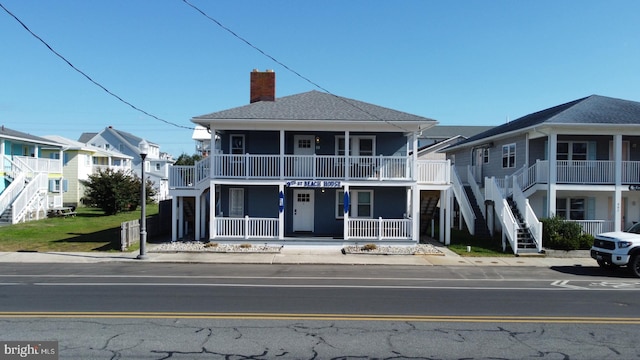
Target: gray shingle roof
(594,109)
(313,105)
(9,133)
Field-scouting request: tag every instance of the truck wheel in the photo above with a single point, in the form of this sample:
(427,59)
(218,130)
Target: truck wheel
(606,265)
(634,265)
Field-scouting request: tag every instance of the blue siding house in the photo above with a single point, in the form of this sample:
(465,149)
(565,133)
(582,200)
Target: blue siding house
(311,165)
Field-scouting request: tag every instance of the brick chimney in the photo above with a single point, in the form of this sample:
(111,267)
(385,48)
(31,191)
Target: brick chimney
(263,86)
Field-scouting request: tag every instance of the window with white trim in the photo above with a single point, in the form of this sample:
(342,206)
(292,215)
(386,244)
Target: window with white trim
(237,144)
(572,150)
(509,156)
(236,202)
(358,145)
(571,208)
(361,204)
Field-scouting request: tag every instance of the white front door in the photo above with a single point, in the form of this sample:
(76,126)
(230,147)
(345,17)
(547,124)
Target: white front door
(303,210)
(303,148)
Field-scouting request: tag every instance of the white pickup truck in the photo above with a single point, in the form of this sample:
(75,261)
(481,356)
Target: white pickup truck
(618,248)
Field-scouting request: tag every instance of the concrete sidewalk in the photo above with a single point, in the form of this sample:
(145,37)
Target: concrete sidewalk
(300,254)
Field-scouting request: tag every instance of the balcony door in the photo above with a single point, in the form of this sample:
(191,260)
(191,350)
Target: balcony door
(303,161)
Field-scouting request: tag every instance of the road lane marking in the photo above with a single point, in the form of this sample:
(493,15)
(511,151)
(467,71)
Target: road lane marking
(330,317)
(559,285)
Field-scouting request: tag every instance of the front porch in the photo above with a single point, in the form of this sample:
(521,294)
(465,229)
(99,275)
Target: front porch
(249,228)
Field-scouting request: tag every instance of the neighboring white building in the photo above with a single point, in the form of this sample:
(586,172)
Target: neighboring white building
(81,160)
(156,164)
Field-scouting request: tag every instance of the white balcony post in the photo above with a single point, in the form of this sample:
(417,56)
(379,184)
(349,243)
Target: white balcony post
(553,174)
(212,210)
(347,159)
(380,224)
(617,219)
(246,227)
(415,213)
(282,176)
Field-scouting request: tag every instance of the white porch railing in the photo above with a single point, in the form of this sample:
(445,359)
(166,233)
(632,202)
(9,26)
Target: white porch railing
(379,229)
(530,218)
(41,165)
(509,225)
(247,228)
(595,227)
(11,192)
(250,166)
(31,199)
(434,171)
(97,168)
(580,172)
(465,205)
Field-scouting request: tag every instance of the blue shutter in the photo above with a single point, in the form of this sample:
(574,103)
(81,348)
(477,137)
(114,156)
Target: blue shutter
(65,185)
(52,185)
(545,211)
(591,150)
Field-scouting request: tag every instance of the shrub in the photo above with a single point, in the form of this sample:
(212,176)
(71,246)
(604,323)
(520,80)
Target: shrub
(369,247)
(245,246)
(560,234)
(114,191)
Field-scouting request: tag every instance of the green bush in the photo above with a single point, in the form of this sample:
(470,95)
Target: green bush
(560,234)
(115,191)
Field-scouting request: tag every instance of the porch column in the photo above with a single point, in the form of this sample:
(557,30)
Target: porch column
(174,218)
(347,154)
(345,225)
(212,210)
(281,212)
(414,157)
(449,209)
(180,217)
(203,217)
(415,214)
(553,174)
(617,200)
(282,167)
(196,218)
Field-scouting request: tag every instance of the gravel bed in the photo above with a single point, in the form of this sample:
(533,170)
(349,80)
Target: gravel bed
(420,249)
(197,246)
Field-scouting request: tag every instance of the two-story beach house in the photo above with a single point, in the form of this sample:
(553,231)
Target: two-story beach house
(156,163)
(80,160)
(32,176)
(579,161)
(308,166)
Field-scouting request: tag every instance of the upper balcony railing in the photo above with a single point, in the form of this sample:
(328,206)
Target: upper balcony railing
(585,172)
(314,167)
(38,165)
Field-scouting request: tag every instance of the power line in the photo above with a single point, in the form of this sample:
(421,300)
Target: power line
(285,66)
(88,77)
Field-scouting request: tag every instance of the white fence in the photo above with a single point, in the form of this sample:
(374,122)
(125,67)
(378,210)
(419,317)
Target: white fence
(247,228)
(380,229)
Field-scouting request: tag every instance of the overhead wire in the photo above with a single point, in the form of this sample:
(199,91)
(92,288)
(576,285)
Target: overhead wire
(285,66)
(88,77)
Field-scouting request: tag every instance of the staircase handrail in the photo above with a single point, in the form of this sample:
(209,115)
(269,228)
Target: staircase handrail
(530,218)
(203,170)
(463,201)
(12,191)
(475,189)
(509,224)
(28,194)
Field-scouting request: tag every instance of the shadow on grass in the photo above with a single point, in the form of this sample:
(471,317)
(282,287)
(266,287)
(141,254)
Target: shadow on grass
(105,240)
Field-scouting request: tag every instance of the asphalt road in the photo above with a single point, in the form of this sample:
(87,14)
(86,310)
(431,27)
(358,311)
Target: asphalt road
(210,311)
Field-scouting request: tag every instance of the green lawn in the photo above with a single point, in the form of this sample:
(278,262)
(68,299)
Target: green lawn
(90,230)
(479,247)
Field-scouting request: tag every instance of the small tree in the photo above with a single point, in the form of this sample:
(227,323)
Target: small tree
(185,159)
(115,191)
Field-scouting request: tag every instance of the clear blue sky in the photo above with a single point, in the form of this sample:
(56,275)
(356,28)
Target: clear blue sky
(459,62)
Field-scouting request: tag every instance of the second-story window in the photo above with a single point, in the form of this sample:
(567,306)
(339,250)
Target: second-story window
(237,144)
(509,156)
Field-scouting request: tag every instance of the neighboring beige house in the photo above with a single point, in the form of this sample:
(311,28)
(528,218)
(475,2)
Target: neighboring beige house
(80,161)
